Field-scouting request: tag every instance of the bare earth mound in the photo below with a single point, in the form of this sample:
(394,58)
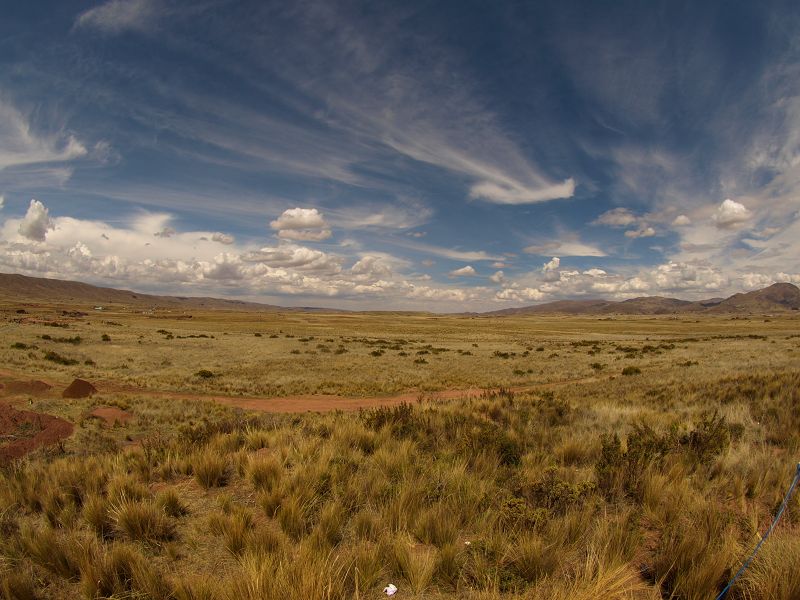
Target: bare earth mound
(22,431)
(79,388)
(112,414)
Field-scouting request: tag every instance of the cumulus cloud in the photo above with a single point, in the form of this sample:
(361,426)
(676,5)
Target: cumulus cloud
(618,217)
(222,238)
(520,295)
(2,202)
(681,221)
(36,222)
(371,267)
(306,224)
(466,271)
(498,277)
(642,232)
(551,265)
(731,214)
(295,257)
(117,16)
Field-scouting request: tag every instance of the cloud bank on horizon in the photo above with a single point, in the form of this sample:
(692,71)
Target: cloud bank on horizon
(424,156)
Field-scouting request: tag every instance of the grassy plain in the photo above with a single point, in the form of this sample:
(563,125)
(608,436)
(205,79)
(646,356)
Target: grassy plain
(572,481)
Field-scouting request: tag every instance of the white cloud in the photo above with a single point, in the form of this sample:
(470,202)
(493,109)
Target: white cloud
(566,248)
(551,265)
(513,193)
(520,295)
(21,145)
(305,224)
(466,271)
(116,16)
(372,267)
(452,254)
(730,214)
(222,238)
(642,232)
(36,223)
(498,277)
(595,273)
(306,235)
(299,218)
(2,202)
(618,217)
(295,257)
(681,221)
(403,214)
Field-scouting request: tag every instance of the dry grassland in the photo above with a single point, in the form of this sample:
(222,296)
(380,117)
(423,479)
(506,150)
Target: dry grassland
(565,478)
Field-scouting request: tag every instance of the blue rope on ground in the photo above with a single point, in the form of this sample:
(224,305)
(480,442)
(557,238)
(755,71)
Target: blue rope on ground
(766,535)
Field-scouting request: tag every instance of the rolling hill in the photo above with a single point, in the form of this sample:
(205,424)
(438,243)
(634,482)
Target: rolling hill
(18,288)
(21,288)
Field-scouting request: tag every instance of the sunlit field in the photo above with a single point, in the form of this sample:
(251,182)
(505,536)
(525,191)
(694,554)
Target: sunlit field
(456,457)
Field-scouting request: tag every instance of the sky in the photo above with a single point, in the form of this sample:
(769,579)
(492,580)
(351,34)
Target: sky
(421,155)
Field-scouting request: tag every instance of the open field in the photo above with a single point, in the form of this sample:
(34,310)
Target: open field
(522,457)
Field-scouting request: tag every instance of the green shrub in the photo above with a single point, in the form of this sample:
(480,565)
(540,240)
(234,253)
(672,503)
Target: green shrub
(57,358)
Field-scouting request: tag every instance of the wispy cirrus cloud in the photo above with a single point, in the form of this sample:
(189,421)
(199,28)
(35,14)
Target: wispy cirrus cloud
(23,146)
(116,16)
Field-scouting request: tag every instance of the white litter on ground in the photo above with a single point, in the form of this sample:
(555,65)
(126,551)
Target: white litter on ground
(390,590)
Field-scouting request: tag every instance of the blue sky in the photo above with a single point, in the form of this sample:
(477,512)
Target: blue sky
(423,155)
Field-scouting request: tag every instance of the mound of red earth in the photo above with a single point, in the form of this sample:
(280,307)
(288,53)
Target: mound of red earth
(22,431)
(27,387)
(79,388)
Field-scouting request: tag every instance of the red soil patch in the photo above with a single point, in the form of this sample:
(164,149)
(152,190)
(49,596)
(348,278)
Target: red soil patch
(22,431)
(32,387)
(112,414)
(79,388)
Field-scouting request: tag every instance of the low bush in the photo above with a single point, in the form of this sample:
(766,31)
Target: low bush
(61,360)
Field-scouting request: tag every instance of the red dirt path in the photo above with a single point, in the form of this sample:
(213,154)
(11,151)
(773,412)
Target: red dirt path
(309,402)
(112,414)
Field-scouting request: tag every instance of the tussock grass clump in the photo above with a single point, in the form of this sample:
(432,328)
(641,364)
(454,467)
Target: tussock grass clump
(55,551)
(141,521)
(264,472)
(122,572)
(170,502)
(210,469)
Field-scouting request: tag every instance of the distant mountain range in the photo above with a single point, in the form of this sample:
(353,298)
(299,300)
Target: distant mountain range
(777,297)
(20,288)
